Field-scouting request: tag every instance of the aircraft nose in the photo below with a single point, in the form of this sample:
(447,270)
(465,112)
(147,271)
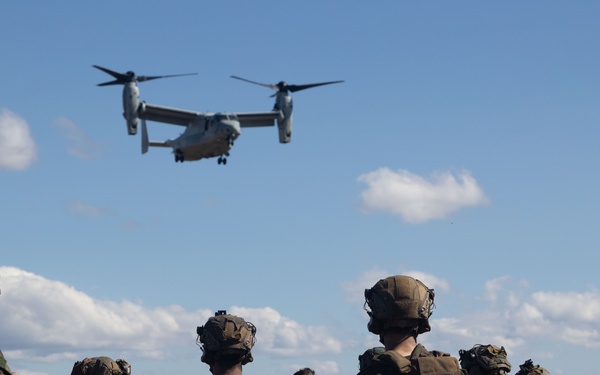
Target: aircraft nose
(233,125)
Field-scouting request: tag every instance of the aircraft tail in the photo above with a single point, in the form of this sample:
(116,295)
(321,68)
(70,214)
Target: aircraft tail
(145,141)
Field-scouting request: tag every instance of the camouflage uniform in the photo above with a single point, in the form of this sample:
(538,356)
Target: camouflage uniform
(4,369)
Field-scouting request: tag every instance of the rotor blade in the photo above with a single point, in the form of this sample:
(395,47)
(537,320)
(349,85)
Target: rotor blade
(115,82)
(294,88)
(120,77)
(111,72)
(272,87)
(149,78)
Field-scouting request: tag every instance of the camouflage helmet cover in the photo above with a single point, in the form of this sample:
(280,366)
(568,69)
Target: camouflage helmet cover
(528,368)
(399,301)
(225,334)
(489,359)
(124,366)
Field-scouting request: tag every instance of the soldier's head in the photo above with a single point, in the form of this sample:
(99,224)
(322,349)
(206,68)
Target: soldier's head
(485,360)
(399,303)
(528,368)
(305,371)
(226,340)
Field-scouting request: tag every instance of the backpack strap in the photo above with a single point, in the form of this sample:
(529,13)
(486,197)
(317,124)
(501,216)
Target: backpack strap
(445,365)
(386,363)
(401,363)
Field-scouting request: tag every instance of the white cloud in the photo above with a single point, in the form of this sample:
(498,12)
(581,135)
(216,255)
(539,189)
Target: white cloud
(508,314)
(54,321)
(516,319)
(285,337)
(87,210)
(578,307)
(17,149)
(49,321)
(324,367)
(355,290)
(81,145)
(431,281)
(417,199)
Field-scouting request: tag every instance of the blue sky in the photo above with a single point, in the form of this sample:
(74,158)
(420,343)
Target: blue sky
(462,149)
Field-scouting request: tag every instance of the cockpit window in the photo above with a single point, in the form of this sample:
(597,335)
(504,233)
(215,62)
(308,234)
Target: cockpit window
(224,116)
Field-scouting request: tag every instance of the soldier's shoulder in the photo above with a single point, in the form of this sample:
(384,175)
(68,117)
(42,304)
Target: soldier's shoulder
(435,362)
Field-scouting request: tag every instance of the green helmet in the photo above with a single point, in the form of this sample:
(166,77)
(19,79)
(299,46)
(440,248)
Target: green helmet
(485,359)
(399,301)
(226,334)
(528,368)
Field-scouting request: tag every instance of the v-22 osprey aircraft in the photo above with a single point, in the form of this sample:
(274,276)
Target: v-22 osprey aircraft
(206,134)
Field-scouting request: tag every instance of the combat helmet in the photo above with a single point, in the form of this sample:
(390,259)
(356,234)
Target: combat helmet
(399,301)
(528,368)
(225,334)
(124,366)
(485,359)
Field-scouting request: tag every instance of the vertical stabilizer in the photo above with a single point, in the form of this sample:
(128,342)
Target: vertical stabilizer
(145,141)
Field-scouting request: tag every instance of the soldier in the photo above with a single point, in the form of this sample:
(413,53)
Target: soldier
(305,371)
(4,369)
(485,360)
(101,366)
(400,307)
(528,368)
(226,342)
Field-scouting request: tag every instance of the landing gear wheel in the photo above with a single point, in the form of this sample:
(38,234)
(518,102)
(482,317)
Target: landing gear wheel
(178,156)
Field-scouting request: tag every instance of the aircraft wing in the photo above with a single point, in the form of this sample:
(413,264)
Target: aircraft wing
(254,119)
(157,113)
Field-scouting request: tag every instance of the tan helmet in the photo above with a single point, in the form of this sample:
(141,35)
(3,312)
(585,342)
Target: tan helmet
(528,368)
(485,359)
(399,301)
(225,334)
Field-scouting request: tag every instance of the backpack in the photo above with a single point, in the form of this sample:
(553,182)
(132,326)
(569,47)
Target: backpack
(421,362)
(101,366)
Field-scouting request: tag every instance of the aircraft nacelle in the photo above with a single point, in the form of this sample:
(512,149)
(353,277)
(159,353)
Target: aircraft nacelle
(131,103)
(285,129)
(131,125)
(284,104)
